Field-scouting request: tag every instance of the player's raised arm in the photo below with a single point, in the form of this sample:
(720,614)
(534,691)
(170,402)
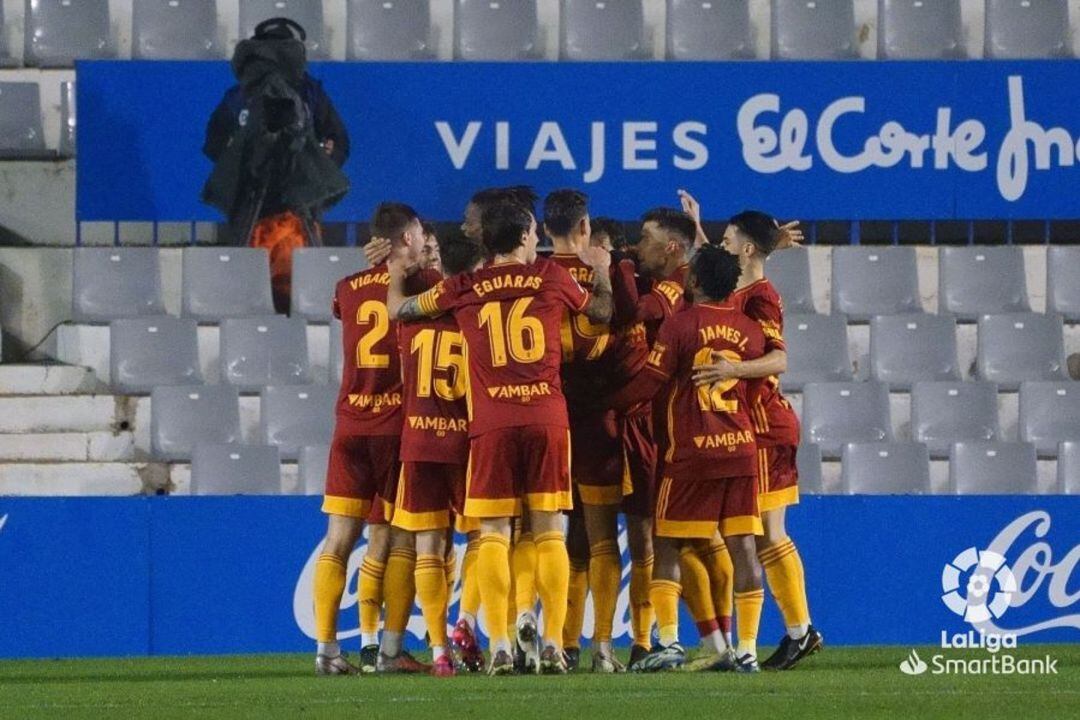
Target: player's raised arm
(692,207)
(600,306)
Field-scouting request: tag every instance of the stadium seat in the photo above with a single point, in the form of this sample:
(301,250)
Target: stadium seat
(224,282)
(993,468)
(231,469)
(21,133)
(182,417)
(602,30)
(256,352)
(1020,346)
(919,30)
(709,30)
(1027,29)
(293,416)
(789,271)
(1063,281)
(337,354)
(59,32)
(907,348)
(308,14)
(503,30)
(1049,414)
(147,352)
(118,282)
(808,462)
(1068,467)
(6,59)
(943,413)
(813,29)
(312,470)
(174,29)
(834,414)
(67,120)
(886,468)
(315,273)
(974,281)
(817,349)
(869,281)
(389,30)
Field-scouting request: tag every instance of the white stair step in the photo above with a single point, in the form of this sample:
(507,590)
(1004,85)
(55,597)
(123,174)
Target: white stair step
(73,479)
(180,479)
(68,447)
(46,380)
(64,414)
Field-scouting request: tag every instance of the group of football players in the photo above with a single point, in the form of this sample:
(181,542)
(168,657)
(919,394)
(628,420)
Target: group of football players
(526,401)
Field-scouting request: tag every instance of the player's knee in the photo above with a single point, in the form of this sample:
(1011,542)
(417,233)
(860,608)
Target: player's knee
(431,542)
(341,535)
(378,547)
(402,539)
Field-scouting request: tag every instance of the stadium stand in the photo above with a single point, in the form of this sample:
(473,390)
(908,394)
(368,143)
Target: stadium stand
(1049,414)
(6,58)
(808,462)
(337,358)
(813,30)
(504,30)
(21,132)
(231,469)
(111,283)
(907,348)
(1063,282)
(308,14)
(312,469)
(911,30)
(66,147)
(59,32)
(837,413)
(592,30)
(315,272)
(982,280)
(256,352)
(224,283)
(182,417)
(395,30)
(1025,29)
(1020,346)
(886,468)
(993,468)
(174,30)
(943,413)
(868,281)
(817,348)
(1068,468)
(789,271)
(698,30)
(147,352)
(295,416)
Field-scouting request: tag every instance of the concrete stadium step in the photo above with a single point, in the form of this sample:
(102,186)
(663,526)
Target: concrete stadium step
(69,447)
(82,479)
(47,380)
(180,479)
(66,413)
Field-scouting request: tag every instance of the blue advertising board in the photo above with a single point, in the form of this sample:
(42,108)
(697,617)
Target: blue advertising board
(813,140)
(163,576)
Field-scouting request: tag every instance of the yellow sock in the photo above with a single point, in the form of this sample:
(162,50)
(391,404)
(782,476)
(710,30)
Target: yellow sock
(400,588)
(470,584)
(748,618)
(493,577)
(431,593)
(523,561)
(605,572)
(450,570)
(641,608)
(664,595)
(787,582)
(577,591)
(370,591)
(329,585)
(696,589)
(721,576)
(552,580)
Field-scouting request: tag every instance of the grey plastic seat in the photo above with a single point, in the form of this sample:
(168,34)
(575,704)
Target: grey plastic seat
(835,414)
(174,29)
(974,281)
(309,14)
(817,350)
(315,272)
(886,468)
(231,469)
(917,30)
(869,281)
(256,352)
(490,30)
(813,29)
(59,32)
(808,463)
(943,413)
(1017,347)
(602,30)
(993,468)
(1068,467)
(907,348)
(21,133)
(709,30)
(6,59)
(789,272)
(67,120)
(337,353)
(182,417)
(147,352)
(313,462)
(226,282)
(1063,281)
(1049,414)
(117,282)
(1027,29)
(389,30)
(293,416)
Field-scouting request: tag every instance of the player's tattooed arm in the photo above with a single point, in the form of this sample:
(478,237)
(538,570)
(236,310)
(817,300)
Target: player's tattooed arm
(771,363)
(601,305)
(399,305)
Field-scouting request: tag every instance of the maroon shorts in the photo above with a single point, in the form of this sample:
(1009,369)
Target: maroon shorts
(694,508)
(381,512)
(360,467)
(639,465)
(778,477)
(516,465)
(426,495)
(597,457)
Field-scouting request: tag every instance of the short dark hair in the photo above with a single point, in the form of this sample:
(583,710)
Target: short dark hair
(673,221)
(564,209)
(522,194)
(760,227)
(429,228)
(717,271)
(390,220)
(502,226)
(613,229)
(458,253)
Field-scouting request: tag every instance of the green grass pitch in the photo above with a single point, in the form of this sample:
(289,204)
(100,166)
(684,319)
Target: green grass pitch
(838,683)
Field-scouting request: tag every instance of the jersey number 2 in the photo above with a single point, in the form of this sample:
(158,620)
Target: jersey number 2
(373,313)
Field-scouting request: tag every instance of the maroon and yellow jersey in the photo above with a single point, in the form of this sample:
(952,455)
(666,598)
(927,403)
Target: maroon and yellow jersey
(710,433)
(511,315)
(666,298)
(775,421)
